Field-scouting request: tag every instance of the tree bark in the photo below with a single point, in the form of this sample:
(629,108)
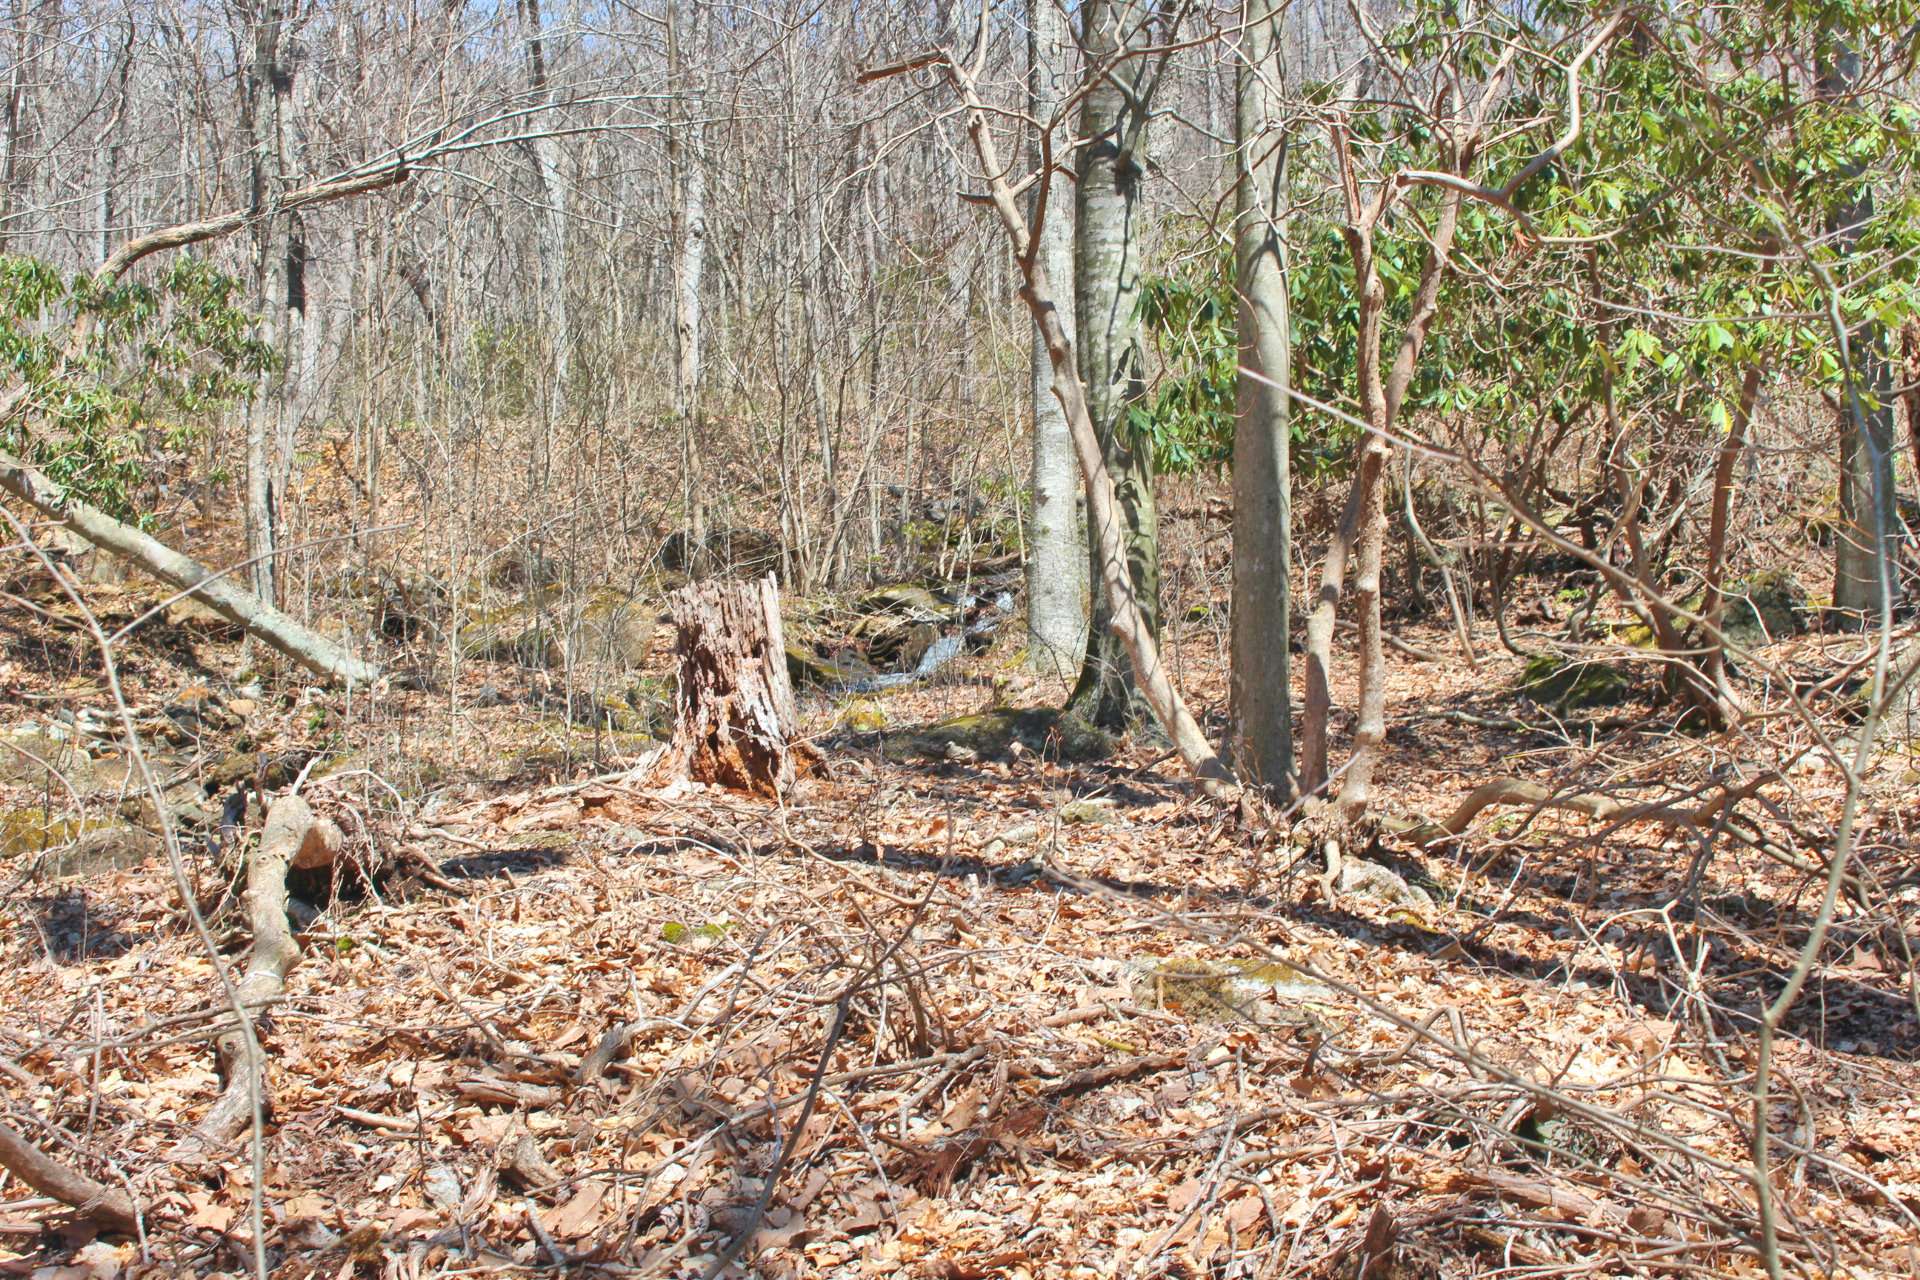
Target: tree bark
(1261,677)
(268,86)
(1381,400)
(686,161)
(736,724)
(1056,565)
(1910,377)
(292,837)
(551,238)
(1866,579)
(1106,293)
(1713,605)
(104,1205)
(255,616)
(1103,515)
(1318,707)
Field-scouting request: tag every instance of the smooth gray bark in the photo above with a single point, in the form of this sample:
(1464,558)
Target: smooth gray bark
(1866,554)
(257,617)
(1107,259)
(1262,513)
(1103,516)
(1056,567)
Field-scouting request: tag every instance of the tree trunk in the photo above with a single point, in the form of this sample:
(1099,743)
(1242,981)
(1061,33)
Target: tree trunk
(17,134)
(257,617)
(1106,290)
(688,180)
(1866,578)
(1103,515)
(1910,378)
(1262,505)
(1714,603)
(1318,708)
(293,837)
(1056,567)
(551,237)
(268,85)
(105,1205)
(736,724)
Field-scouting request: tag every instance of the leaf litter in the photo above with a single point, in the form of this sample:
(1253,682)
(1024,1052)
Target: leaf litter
(916,1021)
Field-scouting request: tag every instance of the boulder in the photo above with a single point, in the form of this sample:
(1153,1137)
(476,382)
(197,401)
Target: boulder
(1764,608)
(993,734)
(616,630)
(41,757)
(1573,685)
(71,847)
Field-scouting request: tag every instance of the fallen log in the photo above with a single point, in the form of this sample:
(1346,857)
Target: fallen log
(101,1204)
(293,837)
(211,588)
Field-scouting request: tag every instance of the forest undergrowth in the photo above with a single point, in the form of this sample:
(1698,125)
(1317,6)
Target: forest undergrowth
(944,1013)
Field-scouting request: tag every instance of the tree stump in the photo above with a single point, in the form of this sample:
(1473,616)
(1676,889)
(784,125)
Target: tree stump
(735,721)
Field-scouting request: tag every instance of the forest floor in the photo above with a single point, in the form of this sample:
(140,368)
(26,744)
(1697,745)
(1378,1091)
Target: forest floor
(950,1017)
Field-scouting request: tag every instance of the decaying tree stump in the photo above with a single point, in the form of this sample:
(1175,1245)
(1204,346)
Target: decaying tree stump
(735,722)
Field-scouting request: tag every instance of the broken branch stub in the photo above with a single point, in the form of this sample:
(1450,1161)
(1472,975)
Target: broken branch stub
(736,724)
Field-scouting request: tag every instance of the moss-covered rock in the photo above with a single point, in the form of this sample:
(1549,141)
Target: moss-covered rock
(864,715)
(807,668)
(72,847)
(42,756)
(509,633)
(1765,607)
(991,735)
(616,629)
(1229,990)
(1573,684)
(29,830)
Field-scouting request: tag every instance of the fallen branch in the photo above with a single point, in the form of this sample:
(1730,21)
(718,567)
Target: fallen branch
(293,837)
(1518,791)
(103,1205)
(210,587)
(116,264)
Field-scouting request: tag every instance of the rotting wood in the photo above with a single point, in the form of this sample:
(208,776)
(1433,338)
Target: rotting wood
(736,724)
(290,835)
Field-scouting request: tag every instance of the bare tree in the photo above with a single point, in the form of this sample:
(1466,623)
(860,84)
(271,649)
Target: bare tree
(1056,564)
(1262,484)
(686,140)
(1108,260)
(1866,576)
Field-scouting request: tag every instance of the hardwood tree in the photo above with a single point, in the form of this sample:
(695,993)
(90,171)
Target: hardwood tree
(1262,482)
(1056,559)
(1108,256)
(1866,573)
